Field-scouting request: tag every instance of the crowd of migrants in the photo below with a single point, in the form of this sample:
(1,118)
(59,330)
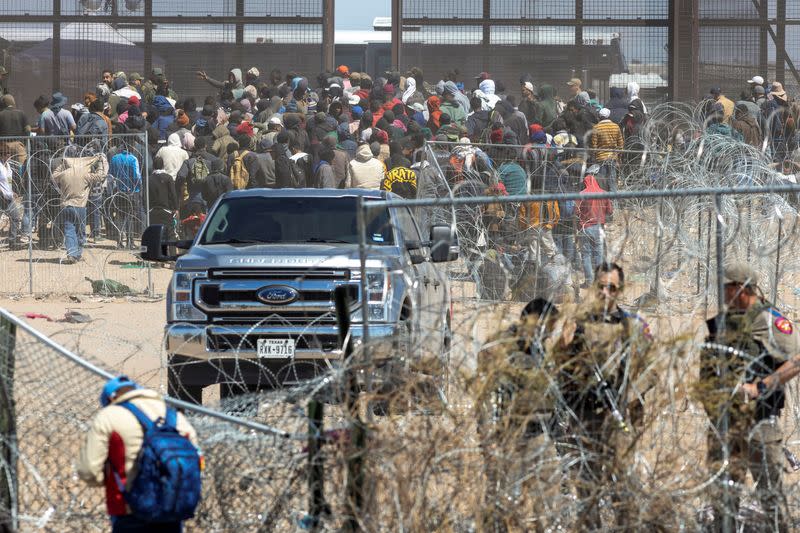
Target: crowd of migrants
(350,131)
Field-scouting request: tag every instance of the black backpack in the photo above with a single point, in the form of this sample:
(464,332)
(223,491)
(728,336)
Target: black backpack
(288,174)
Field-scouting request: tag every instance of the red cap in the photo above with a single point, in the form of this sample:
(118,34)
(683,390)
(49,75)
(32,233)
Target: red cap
(134,100)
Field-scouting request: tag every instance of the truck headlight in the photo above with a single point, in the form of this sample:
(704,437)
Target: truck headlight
(182,308)
(186,312)
(182,281)
(378,285)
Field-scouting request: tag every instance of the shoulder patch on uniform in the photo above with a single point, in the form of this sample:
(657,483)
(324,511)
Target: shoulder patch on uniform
(783,325)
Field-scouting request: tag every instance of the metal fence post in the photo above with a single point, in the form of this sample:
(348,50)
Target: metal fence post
(727,520)
(8,429)
(656,287)
(361,221)
(27,207)
(699,239)
(316,462)
(146,189)
(354,491)
(777,262)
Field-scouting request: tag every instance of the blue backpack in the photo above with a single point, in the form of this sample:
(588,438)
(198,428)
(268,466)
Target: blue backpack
(167,485)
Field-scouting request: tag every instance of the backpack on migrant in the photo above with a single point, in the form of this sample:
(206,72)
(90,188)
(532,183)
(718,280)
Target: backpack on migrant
(167,484)
(197,176)
(198,173)
(240,176)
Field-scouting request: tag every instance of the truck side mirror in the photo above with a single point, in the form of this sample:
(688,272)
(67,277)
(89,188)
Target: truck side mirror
(154,244)
(441,239)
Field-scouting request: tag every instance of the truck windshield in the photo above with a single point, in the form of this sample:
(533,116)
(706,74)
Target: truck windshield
(284,220)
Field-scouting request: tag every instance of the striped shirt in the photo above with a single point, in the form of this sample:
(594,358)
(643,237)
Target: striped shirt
(606,134)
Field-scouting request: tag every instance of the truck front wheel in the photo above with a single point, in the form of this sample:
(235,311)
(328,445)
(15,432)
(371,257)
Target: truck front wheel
(180,391)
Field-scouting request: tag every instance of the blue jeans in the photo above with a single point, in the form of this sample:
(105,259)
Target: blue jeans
(591,251)
(565,242)
(132,217)
(12,209)
(95,212)
(74,220)
(131,524)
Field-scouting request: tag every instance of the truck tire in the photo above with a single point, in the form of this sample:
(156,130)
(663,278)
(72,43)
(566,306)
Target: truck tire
(182,391)
(179,391)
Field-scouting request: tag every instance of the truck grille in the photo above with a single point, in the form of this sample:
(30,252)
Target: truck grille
(230,296)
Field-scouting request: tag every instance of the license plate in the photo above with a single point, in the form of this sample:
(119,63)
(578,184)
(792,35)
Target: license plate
(276,348)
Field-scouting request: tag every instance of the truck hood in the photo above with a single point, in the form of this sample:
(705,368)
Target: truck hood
(285,255)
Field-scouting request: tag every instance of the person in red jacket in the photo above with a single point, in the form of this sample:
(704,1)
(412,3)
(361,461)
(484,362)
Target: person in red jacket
(591,219)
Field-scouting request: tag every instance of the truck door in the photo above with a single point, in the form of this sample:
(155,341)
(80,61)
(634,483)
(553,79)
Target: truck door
(421,271)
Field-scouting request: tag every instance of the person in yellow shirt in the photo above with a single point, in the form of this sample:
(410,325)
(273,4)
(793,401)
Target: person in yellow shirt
(727,104)
(607,135)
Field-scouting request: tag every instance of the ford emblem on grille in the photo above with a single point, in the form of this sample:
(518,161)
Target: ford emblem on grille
(277,295)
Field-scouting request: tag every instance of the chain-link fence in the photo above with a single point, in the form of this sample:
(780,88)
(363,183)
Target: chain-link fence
(475,436)
(49,397)
(451,412)
(47,246)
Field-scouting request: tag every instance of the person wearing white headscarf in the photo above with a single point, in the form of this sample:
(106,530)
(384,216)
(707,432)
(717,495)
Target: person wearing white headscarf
(633,94)
(411,90)
(485,92)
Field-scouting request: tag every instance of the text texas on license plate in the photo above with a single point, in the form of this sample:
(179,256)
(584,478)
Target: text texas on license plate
(276,348)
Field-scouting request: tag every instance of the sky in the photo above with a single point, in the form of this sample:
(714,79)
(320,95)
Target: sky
(358,14)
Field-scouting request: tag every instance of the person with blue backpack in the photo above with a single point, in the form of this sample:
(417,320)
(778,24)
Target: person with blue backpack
(145,453)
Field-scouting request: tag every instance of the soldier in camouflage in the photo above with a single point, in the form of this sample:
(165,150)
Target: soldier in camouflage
(745,362)
(511,409)
(601,362)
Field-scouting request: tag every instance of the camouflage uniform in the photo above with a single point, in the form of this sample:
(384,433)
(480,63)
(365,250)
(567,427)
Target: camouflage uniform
(512,410)
(762,339)
(601,377)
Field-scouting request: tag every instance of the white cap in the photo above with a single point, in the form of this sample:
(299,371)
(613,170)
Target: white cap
(758,80)
(353,99)
(605,112)
(528,85)
(254,72)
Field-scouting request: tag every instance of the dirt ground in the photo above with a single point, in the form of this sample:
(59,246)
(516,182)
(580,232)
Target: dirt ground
(100,260)
(124,335)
